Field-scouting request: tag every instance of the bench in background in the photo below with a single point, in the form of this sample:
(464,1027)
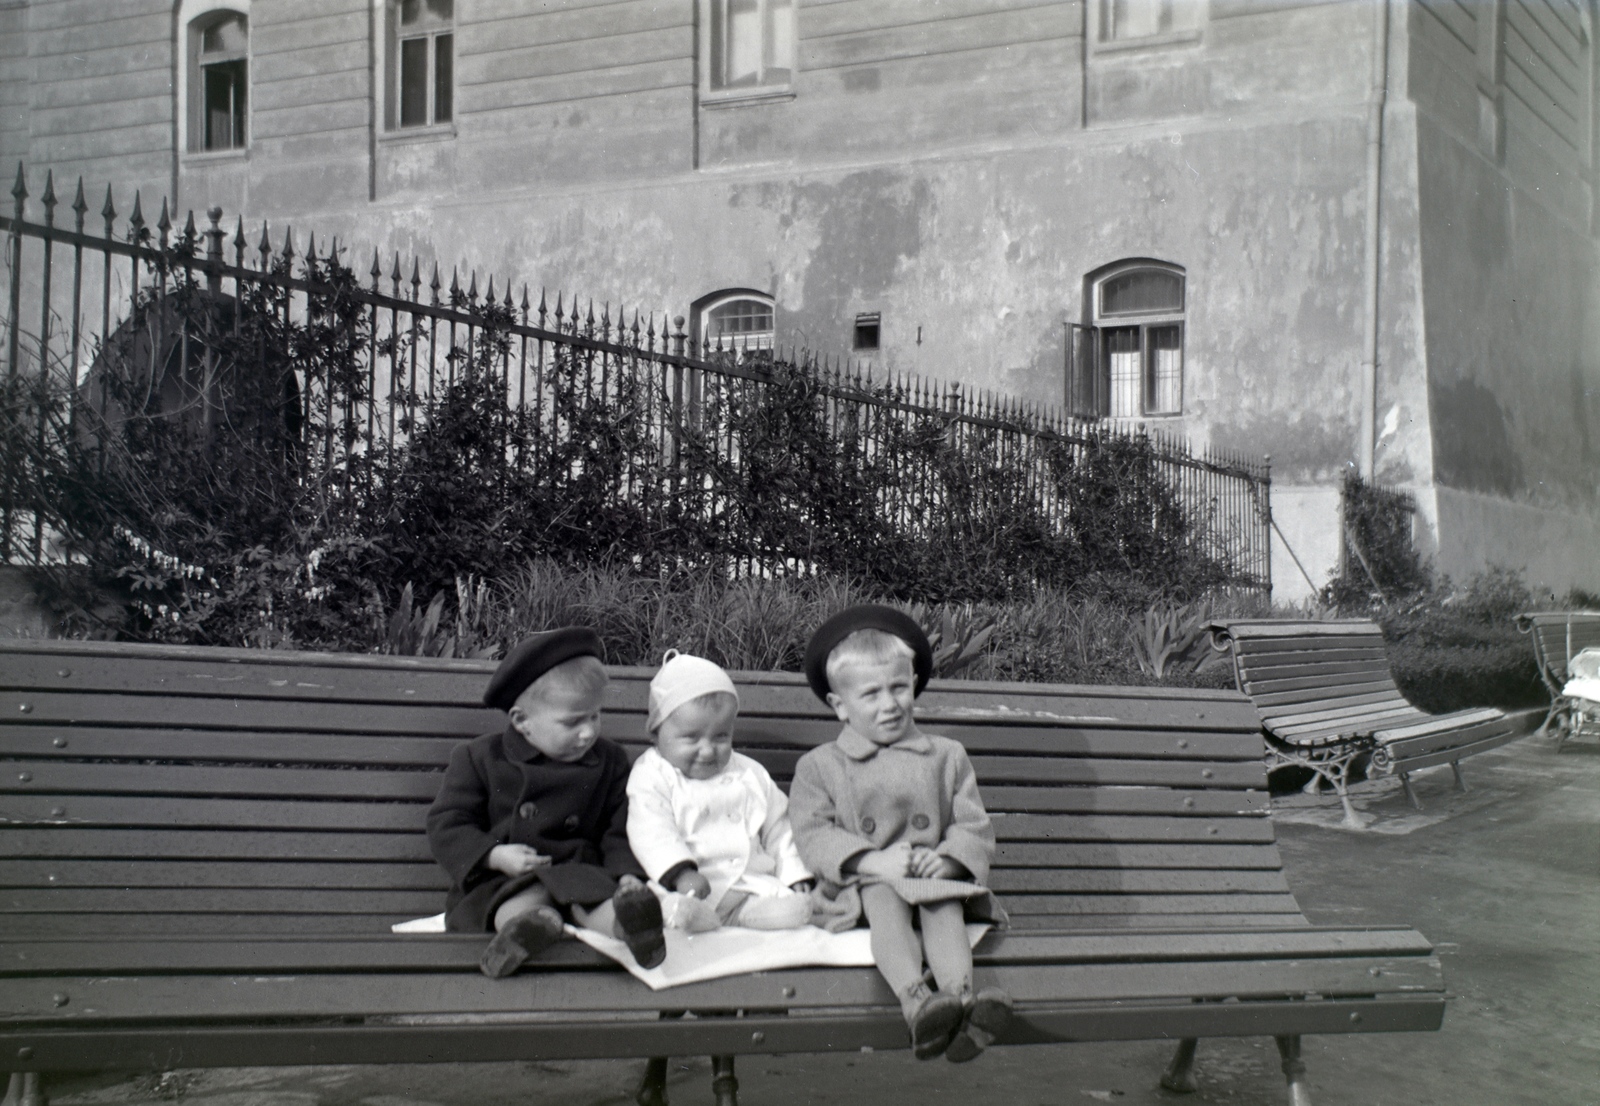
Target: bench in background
(1329,703)
(1558,636)
(204,850)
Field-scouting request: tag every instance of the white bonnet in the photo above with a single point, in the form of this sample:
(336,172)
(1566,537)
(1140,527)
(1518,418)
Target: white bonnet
(683,677)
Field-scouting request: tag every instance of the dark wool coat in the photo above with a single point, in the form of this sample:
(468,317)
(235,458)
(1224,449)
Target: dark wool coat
(500,790)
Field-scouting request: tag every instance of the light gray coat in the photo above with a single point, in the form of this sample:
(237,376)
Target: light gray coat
(852,796)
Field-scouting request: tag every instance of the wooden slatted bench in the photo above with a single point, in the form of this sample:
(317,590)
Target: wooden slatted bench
(1329,703)
(203,850)
(1558,636)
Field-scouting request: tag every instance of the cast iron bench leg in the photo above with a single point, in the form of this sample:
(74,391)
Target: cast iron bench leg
(1411,792)
(723,1083)
(1294,1070)
(1461,782)
(653,1087)
(1179,1076)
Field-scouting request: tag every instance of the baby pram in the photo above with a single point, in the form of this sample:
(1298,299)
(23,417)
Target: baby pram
(1580,695)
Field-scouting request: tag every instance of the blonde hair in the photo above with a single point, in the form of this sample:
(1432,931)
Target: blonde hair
(583,675)
(869,646)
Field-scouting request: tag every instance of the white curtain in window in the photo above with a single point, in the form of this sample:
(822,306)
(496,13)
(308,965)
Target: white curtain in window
(1166,370)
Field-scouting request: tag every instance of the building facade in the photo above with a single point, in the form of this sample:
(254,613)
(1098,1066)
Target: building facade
(1353,234)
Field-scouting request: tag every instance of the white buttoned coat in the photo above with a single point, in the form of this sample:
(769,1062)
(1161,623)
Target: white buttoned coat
(733,827)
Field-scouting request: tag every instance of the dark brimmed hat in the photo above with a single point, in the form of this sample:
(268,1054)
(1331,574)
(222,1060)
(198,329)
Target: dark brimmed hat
(533,657)
(868,616)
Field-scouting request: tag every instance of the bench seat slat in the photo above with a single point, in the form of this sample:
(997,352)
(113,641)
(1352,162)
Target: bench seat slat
(1290,708)
(1012,881)
(169,926)
(455,952)
(138,998)
(1153,904)
(1299,643)
(1438,724)
(1415,762)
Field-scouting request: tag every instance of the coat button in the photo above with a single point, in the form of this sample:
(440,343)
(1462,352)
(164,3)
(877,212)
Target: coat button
(920,822)
(571,823)
(868,826)
(527,811)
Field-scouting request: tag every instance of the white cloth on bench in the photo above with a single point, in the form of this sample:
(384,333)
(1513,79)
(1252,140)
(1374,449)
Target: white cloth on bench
(730,950)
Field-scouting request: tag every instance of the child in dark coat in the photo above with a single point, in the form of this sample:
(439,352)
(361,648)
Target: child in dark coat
(531,822)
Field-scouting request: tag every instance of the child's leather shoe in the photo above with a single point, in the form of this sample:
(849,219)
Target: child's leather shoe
(932,1017)
(639,924)
(523,938)
(985,1016)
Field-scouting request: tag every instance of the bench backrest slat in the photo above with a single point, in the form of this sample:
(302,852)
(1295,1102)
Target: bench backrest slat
(184,791)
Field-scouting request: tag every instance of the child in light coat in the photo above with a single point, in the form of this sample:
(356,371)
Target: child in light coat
(708,822)
(892,816)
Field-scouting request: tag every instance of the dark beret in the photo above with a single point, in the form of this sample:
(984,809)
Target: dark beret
(868,616)
(533,657)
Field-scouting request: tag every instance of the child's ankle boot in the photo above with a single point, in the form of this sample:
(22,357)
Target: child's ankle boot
(932,1016)
(985,1016)
(522,938)
(639,923)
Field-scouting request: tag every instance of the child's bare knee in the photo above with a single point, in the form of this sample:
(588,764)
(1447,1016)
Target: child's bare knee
(521,903)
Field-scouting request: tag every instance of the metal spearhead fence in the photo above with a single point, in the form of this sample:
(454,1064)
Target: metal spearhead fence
(454,430)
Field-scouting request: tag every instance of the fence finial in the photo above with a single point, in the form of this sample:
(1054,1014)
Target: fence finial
(136,220)
(164,223)
(525,302)
(79,206)
(19,191)
(509,306)
(376,272)
(265,248)
(287,253)
(108,211)
(311,249)
(542,310)
(49,198)
(239,242)
(416,279)
(190,232)
(488,297)
(394,275)
(434,283)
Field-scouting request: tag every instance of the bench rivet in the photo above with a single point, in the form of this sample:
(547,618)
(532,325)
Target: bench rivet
(1183,744)
(24,777)
(25,708)
(1211,830)
(64,673)
(1206,773)
(51,878)
(1188,804)
(757,1037)
(1355,1017)
(788,992)
(59,743)
(59,998)
(25,1052)
(58,812)
(1375,972)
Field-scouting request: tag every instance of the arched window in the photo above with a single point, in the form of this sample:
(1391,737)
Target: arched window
(217,79)
(1128,360)
(737,319)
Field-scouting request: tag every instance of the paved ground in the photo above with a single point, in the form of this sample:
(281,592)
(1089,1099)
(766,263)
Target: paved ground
(1505,880)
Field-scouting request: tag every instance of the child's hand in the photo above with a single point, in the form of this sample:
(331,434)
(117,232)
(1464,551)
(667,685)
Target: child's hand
(891,863)
(925,863)
(691,882)
(626,882)
(516,860)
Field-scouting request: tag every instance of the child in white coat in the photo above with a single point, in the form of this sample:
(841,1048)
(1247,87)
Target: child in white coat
(705,821)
